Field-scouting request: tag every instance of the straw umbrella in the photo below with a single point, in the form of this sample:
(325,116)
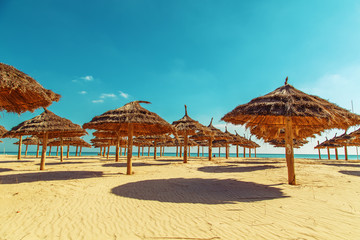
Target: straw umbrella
(281,142)
(20,93)
(187,126)
(69,141)
(329,144)
(210,136)
(154,140)
(28,141)
(290,109)
(134,119)
(46,125)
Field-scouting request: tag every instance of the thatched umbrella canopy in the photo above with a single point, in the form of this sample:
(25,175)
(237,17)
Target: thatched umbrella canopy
(297,143)
(46,125)
(29,141)
(268,133)
(328,144)
(2,131)
(290,109)
(20,93)
(154,140)
(133,119)
(187,126)
(70,141)
(214,134)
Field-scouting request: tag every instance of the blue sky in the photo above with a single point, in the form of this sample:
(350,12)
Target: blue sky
(211,55)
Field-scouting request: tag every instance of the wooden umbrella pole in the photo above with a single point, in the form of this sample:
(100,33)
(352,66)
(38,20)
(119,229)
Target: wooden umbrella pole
(43,153)
(185,147)
(26,149)
(142,150)
(328,152)
(37,149)
(120,150)
(219,151)
(237,151)
(180,150)
(226,151)
(336,154)
(244,151)
(108,151)
(155,149)
(346,152)
(202,151)
(289,150)
(177,151)
(160,151)
(104,151)
(57,151)
(210,148)
(19,150)
(148,151)
(61,149)
(129,151)
(249,152)
(50,151)
(198,151)
(319,151)
(117,149)
(100,151)
(77,149)
(68,151)
(255,151)
(139,151)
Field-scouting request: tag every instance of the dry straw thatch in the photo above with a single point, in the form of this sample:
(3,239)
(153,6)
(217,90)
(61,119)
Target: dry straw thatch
(46,125)
(187,126)
(291,109)
(286,101)
(133,119)
(297,143)
(214,134)
(20,93)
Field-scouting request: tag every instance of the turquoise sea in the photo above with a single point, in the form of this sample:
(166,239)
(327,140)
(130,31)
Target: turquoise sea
(258,155)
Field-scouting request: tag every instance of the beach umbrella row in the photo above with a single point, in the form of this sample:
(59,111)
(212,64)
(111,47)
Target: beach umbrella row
(132,119)
(46,125)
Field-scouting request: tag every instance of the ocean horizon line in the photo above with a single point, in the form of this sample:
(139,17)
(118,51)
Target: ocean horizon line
(173,154)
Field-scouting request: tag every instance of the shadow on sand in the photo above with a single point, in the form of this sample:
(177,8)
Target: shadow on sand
(353,173)
(234,168)
(16,161)
(198,190)
(135,164)
(62,163)
(253,162)
(48,176)
(5,169)
(343,164)
(169,160)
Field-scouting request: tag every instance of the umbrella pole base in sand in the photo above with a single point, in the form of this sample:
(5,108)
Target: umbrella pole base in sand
(289,148)
(43,154)
(129,153)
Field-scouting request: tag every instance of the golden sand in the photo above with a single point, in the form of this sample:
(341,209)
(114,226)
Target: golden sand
(92,198)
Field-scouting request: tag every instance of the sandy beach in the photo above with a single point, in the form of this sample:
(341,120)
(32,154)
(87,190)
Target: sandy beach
(236,198)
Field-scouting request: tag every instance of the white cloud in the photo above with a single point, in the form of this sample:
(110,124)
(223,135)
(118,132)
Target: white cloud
(87,78)
(107,95)
(340,87)
(98,101)
(124,95)
(82,92)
